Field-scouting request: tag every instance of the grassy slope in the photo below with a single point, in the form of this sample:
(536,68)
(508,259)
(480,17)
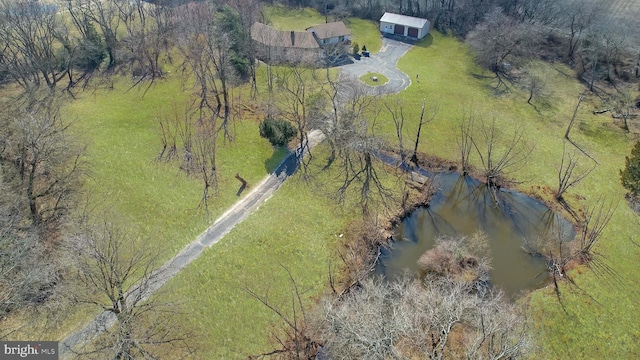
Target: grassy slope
(364,32)
(155,202)
(589,329)
(295,228)
(155,196)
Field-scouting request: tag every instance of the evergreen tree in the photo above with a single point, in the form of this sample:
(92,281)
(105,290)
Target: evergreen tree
(630,176)
(279,132)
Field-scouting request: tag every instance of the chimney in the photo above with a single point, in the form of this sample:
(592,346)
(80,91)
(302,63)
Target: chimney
(293,38)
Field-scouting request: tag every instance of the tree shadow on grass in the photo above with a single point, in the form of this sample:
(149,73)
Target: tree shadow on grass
(279,153)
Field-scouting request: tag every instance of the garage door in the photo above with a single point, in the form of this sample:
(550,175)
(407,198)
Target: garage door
(398,29)
(413,32)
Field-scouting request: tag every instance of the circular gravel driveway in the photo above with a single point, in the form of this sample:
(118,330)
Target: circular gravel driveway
(383,62)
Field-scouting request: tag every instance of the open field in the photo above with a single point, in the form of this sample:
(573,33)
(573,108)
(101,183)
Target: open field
(155,203)
(296,230)
(156,199)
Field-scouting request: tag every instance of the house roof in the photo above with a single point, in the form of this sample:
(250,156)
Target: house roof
(403,20)
(326,31)
(269,36)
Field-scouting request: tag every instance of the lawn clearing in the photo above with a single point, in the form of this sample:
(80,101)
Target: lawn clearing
(157,198)
(368,79)
(296,229)
(154,202)
(365,33)
(298,19)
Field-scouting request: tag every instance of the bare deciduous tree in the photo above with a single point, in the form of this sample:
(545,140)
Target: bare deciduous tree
(396,111)
(577,18)
(206,50)
(465,144)
(47,163)
(500,42)
(105,15)
(205,144)
(297,341)
(119,277)
(169,125)
(28,267)
(148,28)
(354,144)
(31,33)
(573,117)
(595,220)
(296,91)
(499,159)
(567,175)
(623,102)
(427,114)
(411,319)
(536,87)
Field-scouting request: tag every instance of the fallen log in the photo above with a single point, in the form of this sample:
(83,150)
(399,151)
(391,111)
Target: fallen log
(620,116)
(243,181)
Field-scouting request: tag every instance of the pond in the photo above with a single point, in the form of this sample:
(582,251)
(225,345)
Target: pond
(463,205)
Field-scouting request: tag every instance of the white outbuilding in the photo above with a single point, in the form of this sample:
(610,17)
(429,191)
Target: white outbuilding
(403,25)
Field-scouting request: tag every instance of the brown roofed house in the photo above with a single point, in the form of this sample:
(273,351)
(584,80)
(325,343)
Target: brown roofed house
(331,33)
(279,46)
(309,47)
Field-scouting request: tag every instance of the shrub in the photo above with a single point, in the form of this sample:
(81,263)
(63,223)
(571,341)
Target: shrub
(356,49)
(279,132)
(630,176)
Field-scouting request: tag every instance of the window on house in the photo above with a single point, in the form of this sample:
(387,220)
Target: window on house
(341,38)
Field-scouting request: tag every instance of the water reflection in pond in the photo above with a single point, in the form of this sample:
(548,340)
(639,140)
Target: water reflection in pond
(462,206)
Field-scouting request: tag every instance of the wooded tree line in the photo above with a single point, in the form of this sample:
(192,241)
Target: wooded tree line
(45,44)
(40,173)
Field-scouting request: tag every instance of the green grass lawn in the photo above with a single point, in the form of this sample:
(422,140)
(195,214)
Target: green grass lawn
(284,18)
(365,33)
(602,321)
(368,79)
(296,229)
(157,198)
(154,202)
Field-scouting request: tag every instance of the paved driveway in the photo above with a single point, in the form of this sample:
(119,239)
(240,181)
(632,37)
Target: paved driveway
(383,62)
